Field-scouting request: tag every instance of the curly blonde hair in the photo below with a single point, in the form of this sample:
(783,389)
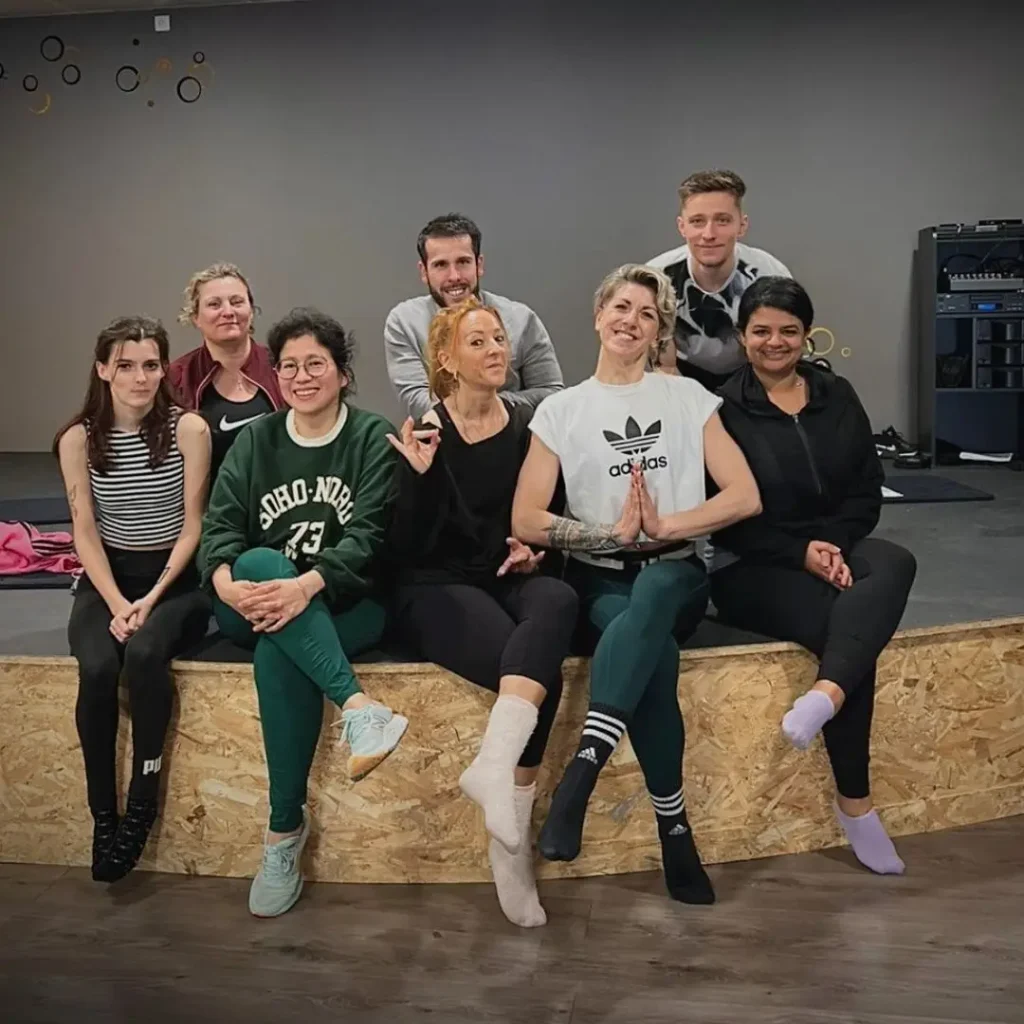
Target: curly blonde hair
(444,330)
(664,298)
(190,301)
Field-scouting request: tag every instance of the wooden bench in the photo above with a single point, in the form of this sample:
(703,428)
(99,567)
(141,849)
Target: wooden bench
(948,750)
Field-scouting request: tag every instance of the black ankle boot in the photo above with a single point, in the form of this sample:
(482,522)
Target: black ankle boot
(104,828)
(129,841)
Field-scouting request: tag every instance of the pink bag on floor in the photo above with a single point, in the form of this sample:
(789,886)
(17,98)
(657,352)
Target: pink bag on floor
(24,549)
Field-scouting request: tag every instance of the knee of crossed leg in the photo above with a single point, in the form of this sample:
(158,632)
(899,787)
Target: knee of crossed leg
(665,590)
(904,565)
(258,565)
(560,607)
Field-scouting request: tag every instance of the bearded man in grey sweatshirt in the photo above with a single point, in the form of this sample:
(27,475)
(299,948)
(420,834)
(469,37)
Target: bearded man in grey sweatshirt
(451,266)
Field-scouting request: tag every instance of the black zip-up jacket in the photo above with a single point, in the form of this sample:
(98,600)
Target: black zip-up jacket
(818,472)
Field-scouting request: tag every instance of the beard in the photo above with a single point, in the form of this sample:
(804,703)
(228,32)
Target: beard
(440,299)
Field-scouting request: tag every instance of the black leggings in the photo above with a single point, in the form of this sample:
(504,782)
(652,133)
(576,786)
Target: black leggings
(847,630)
(177,622)
(519,625)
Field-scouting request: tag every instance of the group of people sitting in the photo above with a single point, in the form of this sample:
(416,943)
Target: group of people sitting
(508,520)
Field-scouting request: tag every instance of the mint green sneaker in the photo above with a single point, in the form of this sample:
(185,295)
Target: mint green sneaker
(372,732)
(278,884)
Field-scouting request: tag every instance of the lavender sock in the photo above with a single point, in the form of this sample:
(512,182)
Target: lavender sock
(803,721)
(871,843)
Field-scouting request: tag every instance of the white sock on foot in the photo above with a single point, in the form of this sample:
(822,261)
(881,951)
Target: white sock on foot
(490,780)
(513,872)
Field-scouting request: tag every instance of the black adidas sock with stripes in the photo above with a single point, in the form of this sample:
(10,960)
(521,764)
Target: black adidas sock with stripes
(685,877)
(562,834)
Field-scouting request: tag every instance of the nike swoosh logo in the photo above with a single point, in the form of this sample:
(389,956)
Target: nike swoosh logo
(226,426)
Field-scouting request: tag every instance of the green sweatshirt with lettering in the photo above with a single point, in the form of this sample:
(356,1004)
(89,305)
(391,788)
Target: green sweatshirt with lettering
(324,502)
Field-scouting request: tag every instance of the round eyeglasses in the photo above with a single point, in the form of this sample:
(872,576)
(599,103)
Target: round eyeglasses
(315,366)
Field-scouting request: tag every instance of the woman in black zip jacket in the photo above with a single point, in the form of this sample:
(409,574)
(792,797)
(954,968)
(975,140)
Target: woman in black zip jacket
(806,569)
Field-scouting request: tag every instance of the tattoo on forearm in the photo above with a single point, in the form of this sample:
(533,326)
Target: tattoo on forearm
(72,494)
(572,535)
(160,578)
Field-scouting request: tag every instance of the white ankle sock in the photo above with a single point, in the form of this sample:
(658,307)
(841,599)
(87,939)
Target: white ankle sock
(490,780)
(513,872)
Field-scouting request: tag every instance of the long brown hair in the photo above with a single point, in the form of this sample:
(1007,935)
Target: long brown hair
(97,413)
(444,330)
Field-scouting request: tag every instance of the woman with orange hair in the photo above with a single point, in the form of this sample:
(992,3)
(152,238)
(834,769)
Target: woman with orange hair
(469,596)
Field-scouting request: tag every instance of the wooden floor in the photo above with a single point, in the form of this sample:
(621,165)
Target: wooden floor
(809,939)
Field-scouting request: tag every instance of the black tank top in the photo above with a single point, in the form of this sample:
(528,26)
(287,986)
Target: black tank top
(226,419)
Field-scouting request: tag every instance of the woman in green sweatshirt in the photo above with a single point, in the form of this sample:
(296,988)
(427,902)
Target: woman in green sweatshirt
(295,521)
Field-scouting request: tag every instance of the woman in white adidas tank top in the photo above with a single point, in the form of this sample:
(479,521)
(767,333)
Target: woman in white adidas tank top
(632,447)
(136,470)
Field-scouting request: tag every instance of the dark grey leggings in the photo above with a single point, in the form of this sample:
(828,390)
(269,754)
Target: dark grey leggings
(847,630)
(519,625)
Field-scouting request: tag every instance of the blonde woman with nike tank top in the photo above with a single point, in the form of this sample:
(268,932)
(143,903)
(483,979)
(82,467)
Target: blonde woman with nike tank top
(229,379)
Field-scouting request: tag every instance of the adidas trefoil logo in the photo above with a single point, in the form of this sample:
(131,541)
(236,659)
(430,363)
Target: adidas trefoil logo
(634,441)
(678,830)
(590,754)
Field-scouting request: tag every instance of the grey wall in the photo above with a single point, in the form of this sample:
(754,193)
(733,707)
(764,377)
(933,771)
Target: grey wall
(330,133)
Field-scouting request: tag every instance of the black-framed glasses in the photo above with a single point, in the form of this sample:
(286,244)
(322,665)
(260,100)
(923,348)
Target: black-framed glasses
(315,366)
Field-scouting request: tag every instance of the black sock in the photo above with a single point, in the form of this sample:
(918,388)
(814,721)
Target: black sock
(104,828)
(129,842)
(685,876)
(562,834)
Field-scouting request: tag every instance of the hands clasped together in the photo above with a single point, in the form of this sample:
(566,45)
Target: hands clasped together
(130,618)
(267,606)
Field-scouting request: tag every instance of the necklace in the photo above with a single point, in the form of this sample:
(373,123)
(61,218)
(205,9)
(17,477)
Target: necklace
(489,425)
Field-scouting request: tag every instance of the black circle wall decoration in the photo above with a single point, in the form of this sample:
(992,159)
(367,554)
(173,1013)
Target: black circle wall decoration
(198,57)
(30,83)
(189,89)
(52,48)
(71,74)
(135,42)
(127,78)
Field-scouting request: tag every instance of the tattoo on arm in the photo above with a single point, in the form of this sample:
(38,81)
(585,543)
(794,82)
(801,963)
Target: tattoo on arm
(160,578)
(572,535)
(72,494)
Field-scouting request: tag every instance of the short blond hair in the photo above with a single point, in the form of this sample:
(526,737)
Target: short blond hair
(647,277)
(444,329)
(190,300)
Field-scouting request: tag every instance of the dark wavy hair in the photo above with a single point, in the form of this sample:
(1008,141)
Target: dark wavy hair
(776,293)
(450,225)
(97,412)
(328,333)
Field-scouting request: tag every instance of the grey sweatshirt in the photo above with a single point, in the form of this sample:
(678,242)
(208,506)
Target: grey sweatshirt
(533,371)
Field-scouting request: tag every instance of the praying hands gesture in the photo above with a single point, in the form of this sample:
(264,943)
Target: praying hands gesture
(418,446)
(650,521)
(627,529)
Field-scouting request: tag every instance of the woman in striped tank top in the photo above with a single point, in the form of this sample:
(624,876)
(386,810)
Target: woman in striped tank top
(136,469)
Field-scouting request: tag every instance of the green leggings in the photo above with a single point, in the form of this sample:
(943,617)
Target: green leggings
(295,668)
(635,667)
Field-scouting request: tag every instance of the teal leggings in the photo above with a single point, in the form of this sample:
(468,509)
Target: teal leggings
(295,668)
(635,667)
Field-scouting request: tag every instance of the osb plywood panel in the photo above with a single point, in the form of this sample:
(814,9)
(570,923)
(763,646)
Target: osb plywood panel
(948,750)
